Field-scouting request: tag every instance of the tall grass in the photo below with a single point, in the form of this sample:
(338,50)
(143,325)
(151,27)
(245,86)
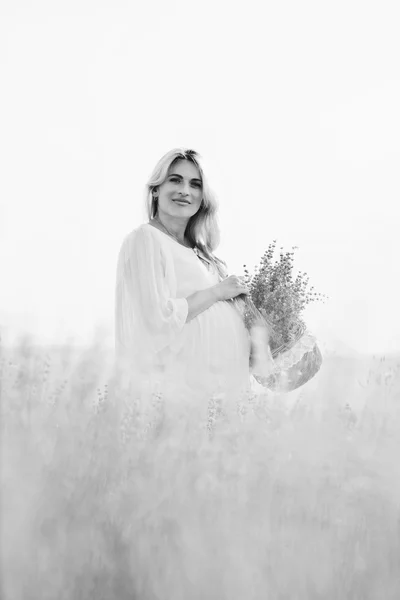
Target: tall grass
(283,502)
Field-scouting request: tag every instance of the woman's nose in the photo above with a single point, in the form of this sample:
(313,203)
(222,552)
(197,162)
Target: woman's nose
(185,189)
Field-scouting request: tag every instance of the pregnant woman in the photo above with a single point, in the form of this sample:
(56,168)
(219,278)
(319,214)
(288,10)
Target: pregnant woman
(177,333)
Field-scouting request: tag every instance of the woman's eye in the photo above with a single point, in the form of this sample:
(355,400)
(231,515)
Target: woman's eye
(194,183)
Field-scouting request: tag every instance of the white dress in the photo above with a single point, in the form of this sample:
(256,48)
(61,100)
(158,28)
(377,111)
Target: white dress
(197,360)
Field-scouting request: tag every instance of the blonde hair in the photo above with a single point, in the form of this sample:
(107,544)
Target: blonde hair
(202,230)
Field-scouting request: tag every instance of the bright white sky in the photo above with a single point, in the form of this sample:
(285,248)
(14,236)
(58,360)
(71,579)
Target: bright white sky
(293,105)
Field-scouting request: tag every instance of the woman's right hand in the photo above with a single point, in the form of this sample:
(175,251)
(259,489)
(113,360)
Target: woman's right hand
(231,287)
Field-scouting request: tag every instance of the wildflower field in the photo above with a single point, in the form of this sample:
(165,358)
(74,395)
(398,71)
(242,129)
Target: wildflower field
(298,500)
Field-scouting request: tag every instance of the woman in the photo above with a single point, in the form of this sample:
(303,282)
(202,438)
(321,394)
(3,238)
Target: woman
(176,330)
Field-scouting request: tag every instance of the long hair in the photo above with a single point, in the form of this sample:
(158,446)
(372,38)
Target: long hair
(202,229)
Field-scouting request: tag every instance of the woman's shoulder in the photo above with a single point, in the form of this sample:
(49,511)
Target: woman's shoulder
(145,231)
(142,244)
(143,237)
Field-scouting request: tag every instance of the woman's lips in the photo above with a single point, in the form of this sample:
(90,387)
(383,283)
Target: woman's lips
(181,201)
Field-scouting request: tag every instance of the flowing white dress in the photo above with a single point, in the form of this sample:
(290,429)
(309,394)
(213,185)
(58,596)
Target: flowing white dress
(199,359)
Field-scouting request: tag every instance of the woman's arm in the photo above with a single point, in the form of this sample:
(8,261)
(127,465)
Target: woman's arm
(200,301)
(147,313)
(224,290)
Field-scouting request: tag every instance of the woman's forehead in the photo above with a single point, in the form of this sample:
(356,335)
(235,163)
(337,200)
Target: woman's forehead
(186,168)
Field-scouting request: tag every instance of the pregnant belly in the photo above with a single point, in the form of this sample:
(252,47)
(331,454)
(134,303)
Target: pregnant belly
(210,356)
(215,345)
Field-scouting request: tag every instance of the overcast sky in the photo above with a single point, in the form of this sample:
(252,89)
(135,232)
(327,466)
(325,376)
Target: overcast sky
(293,105)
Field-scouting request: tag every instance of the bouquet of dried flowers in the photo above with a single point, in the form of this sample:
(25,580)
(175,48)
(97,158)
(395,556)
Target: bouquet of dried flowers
(277,300)
(279,297)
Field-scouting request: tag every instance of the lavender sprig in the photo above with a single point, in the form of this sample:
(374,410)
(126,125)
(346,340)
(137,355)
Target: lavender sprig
(277,297)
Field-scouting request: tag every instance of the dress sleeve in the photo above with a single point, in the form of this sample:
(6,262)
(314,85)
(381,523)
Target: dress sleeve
(148,314)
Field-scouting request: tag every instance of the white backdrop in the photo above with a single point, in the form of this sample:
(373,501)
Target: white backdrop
(294,107)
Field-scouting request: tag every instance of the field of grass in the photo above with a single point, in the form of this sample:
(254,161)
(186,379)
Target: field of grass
(299,499)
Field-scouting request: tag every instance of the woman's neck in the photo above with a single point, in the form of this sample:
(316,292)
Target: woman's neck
(176,228)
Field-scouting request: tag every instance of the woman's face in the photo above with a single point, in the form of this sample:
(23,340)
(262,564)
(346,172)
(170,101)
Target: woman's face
(181,193)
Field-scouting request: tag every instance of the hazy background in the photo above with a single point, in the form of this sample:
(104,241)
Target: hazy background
(293,105)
